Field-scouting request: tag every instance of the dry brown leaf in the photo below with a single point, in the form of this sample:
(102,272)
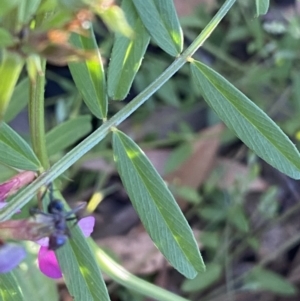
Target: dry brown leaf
(196,169)
(158,158)
(97,164)
(232,171)
(187,7)
(136,251)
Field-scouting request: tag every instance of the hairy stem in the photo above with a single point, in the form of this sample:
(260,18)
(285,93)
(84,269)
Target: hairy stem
(37,116)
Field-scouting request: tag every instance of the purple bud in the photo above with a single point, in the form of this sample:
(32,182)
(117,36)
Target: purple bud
(12,185)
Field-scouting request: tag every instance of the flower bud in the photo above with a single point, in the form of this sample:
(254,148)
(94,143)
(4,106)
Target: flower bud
(12,185)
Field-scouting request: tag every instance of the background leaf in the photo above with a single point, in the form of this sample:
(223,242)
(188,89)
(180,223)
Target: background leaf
(160,19)
(7,5)
(156,207)
(152,67)
(26,10)
(127,54)
(202,281)
(261,279)
(10,69)
(255,128)
(262,6)
(6,39)
(14,151)
(18,101)
(10,289)
(114,18)
(89,75)
(67,133)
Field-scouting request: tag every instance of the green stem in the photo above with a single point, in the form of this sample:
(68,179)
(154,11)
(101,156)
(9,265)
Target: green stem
(36,116)
(123,277)
(76,153)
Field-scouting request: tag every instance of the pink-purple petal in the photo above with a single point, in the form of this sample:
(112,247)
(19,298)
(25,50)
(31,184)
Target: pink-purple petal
(47,260)
(86,225)
(44,242)
(11,256)
(48,263)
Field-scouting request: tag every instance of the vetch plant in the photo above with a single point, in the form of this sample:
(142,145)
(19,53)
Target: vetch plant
(61,32)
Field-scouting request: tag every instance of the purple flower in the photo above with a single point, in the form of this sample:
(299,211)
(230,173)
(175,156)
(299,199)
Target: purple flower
(10,256)
(47,260)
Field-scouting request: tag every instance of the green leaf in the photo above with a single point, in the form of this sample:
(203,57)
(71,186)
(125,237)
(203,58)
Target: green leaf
(262,6)
(6,39)
(261,279)
(127,54)
(269,204)
(212,213)
(210,239)
(18,101)
(73,4)
(57,19)
(14,151)
(255,128)
(67,133)
(237,217)
(81,271)
(156,207)
(114,18)
(10,69)
(10,289)
(202,281)
(89,75)
(49,5)
(26,9)
(188,194)
(7,5)
(160,19)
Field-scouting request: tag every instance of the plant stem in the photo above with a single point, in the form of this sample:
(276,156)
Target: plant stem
(123,277)
(76,153)
(37,116)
